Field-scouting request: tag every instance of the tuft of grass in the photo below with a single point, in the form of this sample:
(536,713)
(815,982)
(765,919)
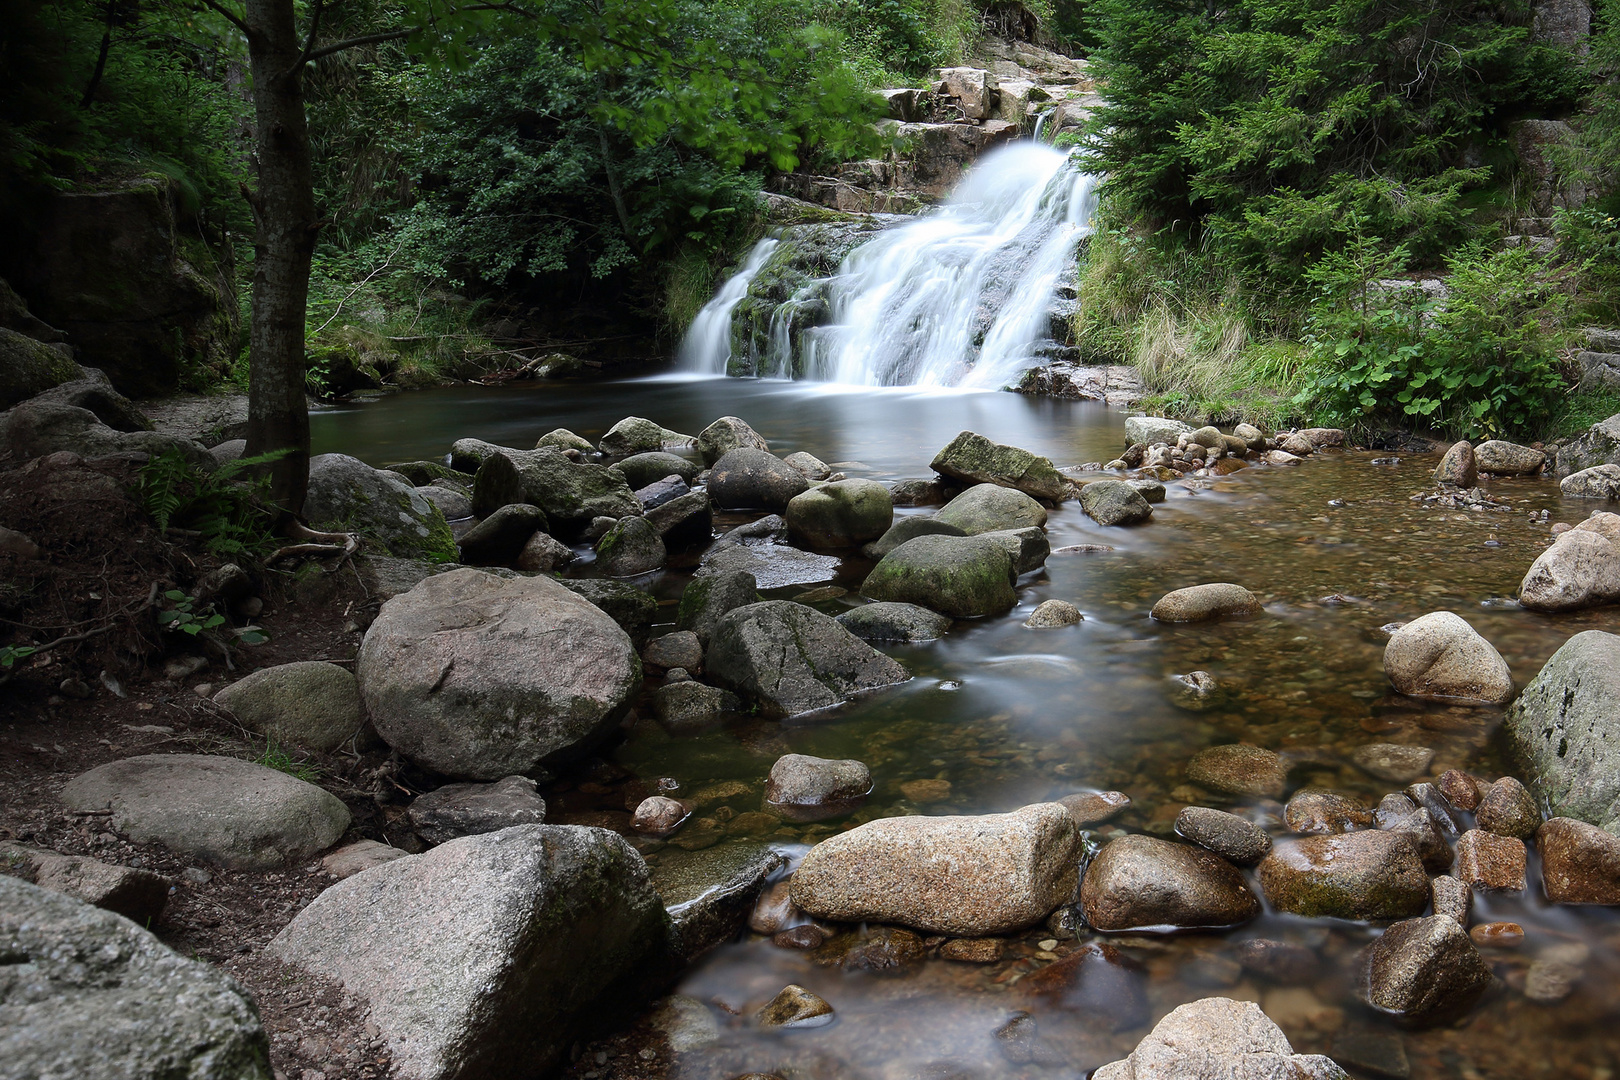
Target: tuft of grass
(1580,409)
(274,757)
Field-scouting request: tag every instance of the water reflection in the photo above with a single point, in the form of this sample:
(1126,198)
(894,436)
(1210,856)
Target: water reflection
(1005,715)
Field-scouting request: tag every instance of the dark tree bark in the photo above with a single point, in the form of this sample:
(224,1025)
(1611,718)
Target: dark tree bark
(284,212)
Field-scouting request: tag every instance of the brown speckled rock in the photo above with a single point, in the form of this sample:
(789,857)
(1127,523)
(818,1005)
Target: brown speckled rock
(1439,655)
(1424,971)
(969,876)
(1239,769)
(1140,882)
(1227,835)
(1093,807)
(1580,863)
(1358,875)
(1451,898)
(1215,1039)
(1488,861)
(1508,810)
(1315,811)
(1200,602)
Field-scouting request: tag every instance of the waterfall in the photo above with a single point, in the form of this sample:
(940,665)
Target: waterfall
(960,296)
(707,346)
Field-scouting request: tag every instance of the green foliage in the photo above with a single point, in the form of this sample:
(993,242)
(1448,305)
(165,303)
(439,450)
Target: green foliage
(275,757)
(1594,158)
(10,654)
(184,617)
(1260,127)
(1478,363)
(222,506)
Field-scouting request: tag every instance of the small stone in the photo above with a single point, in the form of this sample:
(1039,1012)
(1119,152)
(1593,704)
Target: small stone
(1488,861)
(805,788)
(1392,762)
(1196,691)
(681,649)
(1279,961)
(358,857)
(1500,935)
(1392,808)
(1054,613)
(1458,468)
(926,791)
(1451,898)
(1424,970)
(1381,1053)
(1460,788)
(888,948)
(1549,981)
(774,911)
(474,809)
(1227,835)
(1507,809)
(1239,769)
(1315,811)
(657,815)
(795,1007)
(1432,847)
(973,950)
(1094,807)
(1427,796)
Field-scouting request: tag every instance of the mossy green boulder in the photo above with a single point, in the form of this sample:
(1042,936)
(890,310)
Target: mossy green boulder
(974,459)
(842,514)
(965,577)
(986,508)
(348,495)
(1371,874)
(28,367)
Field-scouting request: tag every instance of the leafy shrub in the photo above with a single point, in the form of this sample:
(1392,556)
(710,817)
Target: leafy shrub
(223,507)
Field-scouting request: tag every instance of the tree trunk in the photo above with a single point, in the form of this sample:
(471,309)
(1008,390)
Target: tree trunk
(284,211)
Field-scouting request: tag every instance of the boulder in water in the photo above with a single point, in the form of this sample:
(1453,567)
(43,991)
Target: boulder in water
(966,876)
(1424,971)
(454,677)
(792,659)
(646,468)
(563,439)
(1439,655)
(1370,874)
(1143,883)
(725,435)
(1215,1039)
(991,508)
(841,514)
(894,622)
(1114,502)
(747,478)
(632,435)
(805,788)
(685,521)
(1581,569)
(964,577)
(630,547)
(500,538)
(1565,732)
(974,459)
(710,597)
(1199,602)
(497,483)
(1499,458)
(908,528)
(811,466)
(1149,430)
(1027,548)
(1598,482)
(1580,863)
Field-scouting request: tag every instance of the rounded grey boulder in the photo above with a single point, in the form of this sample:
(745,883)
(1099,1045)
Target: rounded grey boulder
(1499,458)
(1227,835)
(1143,883)
(725,435)
(1563,730)
(651,467)
(964,577)
(347,494)
(805,788)
(792,659)
(309,704)
(894,622)
(499,539)
(989,508)
(1581,569)
(234,813)
(1439,655)
(631,547)
(1114,502)
(841,514)
(477,676)
(632,435)
(908,528)
(96,997)
(746,478)
(1199,602)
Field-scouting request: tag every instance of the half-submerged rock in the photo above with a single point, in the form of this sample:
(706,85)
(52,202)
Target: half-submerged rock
(964,577)
(483,957)
(966,876)
(1199,602)
(1565,731)
(1215,1039)
(1357,875)
(974,459)
(1581,568)
(1143,883)
(1424,971)
(1439,655)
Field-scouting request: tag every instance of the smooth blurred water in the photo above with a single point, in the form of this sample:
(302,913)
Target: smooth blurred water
(1335,548)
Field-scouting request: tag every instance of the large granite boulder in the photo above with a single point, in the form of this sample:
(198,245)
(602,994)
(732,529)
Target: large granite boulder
(965,577)
(310,704)
(479,677)
(1218,1039)
(91,389)
(725,435)
(1142,883)
(1565,731)
(29,367)
(990,508)
(231,812)
(791,659)
(1499,458)
(1581,569)
(844,513)
(632,435)
(894,622)
(974,459)
(710,892)
(965,876)
(486,956)
(1598,482)
(91,996)
(652,466)
(1598,445)
(1114,502)
(746,478)
(1440,656)
(708,598)
(1370,874)
(348,495)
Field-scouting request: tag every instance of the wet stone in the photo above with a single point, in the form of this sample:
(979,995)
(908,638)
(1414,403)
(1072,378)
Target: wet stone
(1424,971)
(1550,981)
(1019,1041)
(658,815)
(1097,980)
(886,949)
(1432,847)
(1196,691)
(1451,898)
(1439,655)
(1206,967)
(795,1007)
(973,950)
(1143,883)
(1429,798)
(1357,875)
(1227,835)
(1488,861)
(1314,811)
(805,788)
(1381,1053)
(681,649)
(1392,808)
(1278,961)
(1201,602)
(1580,863)
(1497,935)
(1508,810)
(1054,613)
(774,911)
(1460,789)
(472,809)
(1094,807)
(804,937)
(1239,769)
(1394,763)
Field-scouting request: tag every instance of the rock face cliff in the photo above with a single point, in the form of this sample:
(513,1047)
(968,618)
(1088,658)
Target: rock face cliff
(128,277)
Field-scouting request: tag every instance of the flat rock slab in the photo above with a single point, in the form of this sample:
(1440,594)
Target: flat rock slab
(481,957)
(91,996)
(966,876)
(231,812)
(709,893)
(138,895)
(974,459)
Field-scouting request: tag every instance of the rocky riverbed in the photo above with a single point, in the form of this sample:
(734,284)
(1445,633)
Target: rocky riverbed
(806,766)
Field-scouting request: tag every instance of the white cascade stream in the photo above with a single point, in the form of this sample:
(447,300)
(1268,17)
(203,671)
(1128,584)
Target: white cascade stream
(957,297)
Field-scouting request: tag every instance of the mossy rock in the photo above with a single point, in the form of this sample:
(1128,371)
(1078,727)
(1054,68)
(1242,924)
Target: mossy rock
(28,367)
(347,494)
(965,577)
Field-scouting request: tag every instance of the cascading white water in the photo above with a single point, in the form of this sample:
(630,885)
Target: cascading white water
(959,296)
(707,346)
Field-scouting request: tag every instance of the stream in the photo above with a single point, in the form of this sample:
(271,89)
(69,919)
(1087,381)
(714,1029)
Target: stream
(1005,716)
